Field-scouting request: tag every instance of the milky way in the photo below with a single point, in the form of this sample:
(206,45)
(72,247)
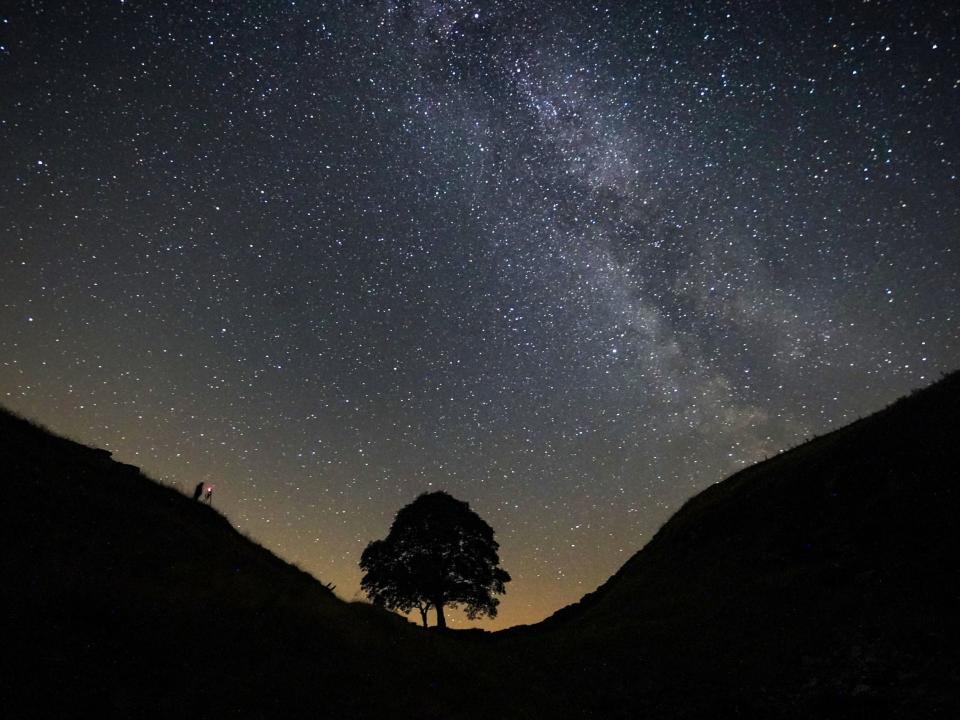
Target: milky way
(572,262)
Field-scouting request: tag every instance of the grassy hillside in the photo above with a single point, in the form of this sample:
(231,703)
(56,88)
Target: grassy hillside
(123,598)
(820,583)
(823,582)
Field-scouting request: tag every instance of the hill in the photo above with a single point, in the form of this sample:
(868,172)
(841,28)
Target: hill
(123,598)
(822,582)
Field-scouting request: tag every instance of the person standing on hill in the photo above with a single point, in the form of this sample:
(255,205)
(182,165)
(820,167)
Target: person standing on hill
(198,491)
(208,497)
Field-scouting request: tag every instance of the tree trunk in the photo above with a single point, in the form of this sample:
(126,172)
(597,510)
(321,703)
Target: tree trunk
(441,620)
(423,614)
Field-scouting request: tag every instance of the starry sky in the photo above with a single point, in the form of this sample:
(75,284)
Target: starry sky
(570,262)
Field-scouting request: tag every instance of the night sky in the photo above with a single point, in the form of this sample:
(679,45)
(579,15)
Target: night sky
(570,262)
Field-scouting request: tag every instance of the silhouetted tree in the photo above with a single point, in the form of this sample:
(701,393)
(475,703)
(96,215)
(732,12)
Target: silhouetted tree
(438,553)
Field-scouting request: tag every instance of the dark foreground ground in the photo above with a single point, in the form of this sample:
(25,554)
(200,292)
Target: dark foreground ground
(821,583)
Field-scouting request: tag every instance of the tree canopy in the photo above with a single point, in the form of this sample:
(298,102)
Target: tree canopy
(439,553)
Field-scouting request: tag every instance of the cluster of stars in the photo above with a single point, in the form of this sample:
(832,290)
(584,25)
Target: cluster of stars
(572,267)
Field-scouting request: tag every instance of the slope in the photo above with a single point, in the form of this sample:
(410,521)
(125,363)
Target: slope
(822,582)
(123,598)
